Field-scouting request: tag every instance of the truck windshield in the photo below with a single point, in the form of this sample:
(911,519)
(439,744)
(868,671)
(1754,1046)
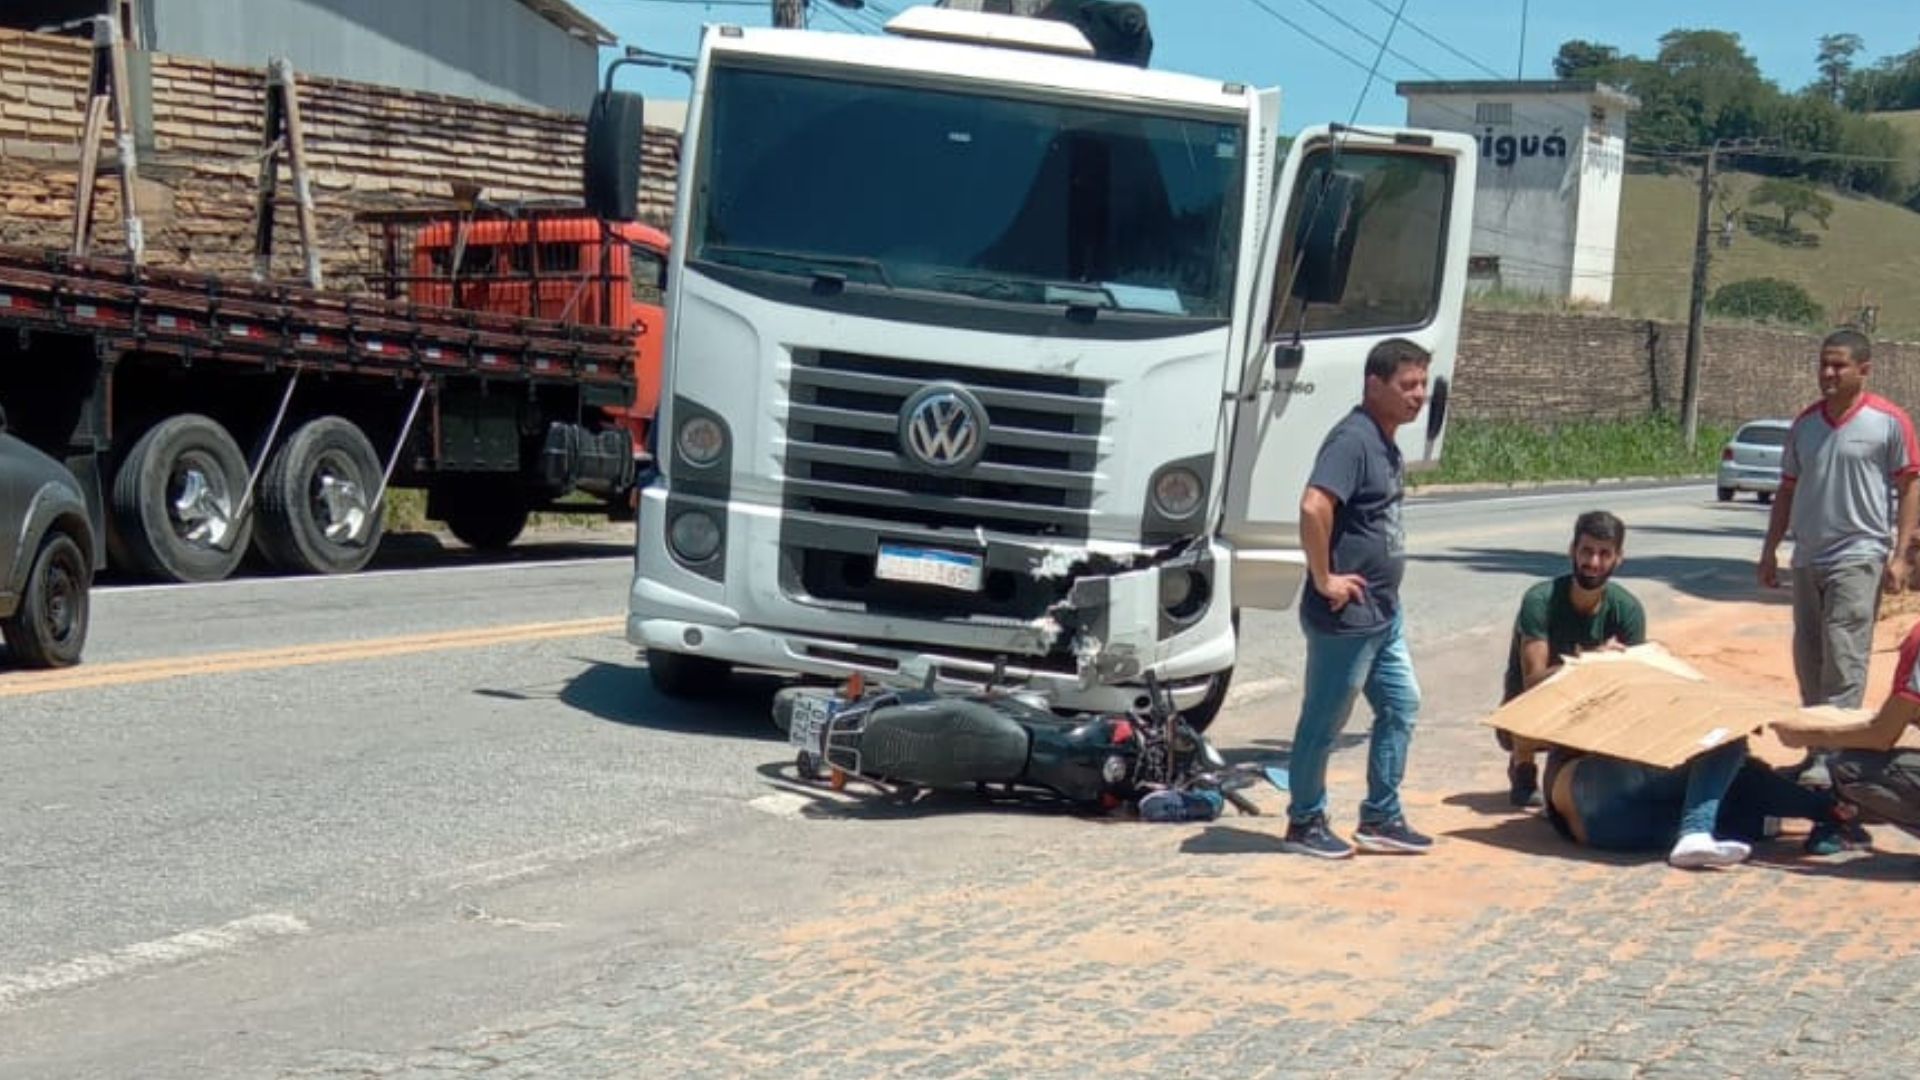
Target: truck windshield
(1001,199)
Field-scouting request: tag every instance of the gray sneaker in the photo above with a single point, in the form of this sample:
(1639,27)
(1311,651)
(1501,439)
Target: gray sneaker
(1393,837)
(1312,837)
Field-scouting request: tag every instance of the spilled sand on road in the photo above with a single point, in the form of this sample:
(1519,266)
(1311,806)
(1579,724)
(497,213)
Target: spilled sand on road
(1215,922)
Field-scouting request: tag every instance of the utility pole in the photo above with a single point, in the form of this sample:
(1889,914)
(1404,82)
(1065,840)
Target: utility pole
(791,14)
(1697,308)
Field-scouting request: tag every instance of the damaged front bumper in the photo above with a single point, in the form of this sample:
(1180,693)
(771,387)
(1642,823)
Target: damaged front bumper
(1110,617)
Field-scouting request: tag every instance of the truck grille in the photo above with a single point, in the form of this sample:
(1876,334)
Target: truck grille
(1035,478)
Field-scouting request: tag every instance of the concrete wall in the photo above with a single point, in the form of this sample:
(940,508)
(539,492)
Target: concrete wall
(1603,161)
(369,147)
(1548,194)
(1543,369)
(489,50)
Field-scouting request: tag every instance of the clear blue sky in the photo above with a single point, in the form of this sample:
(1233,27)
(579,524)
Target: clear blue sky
(1243,40)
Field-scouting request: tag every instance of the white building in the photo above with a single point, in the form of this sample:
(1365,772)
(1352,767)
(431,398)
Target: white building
(1546,215)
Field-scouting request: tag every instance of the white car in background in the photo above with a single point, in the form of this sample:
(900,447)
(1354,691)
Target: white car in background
(1751,460)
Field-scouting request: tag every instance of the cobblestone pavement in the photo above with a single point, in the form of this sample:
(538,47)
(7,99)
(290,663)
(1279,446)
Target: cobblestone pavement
(1095,948)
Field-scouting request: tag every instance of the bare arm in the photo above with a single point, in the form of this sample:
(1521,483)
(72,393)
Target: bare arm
(1316,536)
(1777,523)
(1897,567)
(1536,662)
(1877,732)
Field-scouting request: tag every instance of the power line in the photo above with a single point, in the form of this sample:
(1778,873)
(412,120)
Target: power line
(1377,57)
(1311,36)
(1422,31)
(1371,40)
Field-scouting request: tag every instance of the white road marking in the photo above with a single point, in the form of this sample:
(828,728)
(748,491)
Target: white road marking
(1598,492)
(525,864)
(364,575)
(17,989)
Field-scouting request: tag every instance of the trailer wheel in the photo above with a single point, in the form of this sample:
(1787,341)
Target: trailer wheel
(316,500)
(482,519)
(49,628)
(176,501)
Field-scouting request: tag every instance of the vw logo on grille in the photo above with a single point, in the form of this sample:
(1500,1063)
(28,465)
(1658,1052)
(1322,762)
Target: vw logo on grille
(944,428)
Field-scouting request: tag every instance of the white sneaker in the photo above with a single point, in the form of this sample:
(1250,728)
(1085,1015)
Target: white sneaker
(1700,851)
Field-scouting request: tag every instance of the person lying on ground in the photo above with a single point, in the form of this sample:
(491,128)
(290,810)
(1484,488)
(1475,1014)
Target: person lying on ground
(1577,612)
(1708,812)
(1868,769)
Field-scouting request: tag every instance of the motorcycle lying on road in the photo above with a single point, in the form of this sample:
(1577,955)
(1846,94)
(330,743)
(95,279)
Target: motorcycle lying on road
(1012,741)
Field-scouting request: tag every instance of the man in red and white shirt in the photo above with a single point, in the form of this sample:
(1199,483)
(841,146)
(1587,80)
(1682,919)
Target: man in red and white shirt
(1848,477)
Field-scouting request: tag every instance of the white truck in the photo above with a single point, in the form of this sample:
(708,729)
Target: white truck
(991,359)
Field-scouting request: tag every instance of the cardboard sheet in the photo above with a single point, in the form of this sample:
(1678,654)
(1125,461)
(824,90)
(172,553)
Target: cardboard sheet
(1643,704)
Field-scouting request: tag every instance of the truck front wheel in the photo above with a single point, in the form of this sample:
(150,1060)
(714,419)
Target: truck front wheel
(316,500)
(176,501)
(481,517)
(677,675)
(1207,709)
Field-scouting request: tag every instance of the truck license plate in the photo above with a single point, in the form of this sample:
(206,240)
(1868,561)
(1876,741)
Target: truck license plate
(811,715)
(921,566)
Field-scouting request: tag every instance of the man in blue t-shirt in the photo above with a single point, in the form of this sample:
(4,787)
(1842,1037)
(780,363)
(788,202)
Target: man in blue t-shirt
(1350,612)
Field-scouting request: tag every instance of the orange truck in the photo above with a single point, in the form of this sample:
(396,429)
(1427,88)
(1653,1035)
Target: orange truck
(506,360)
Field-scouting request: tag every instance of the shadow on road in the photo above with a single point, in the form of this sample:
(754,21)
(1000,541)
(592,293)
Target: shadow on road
(741,708)
(430,551)
(1529,834)
(413,550)
(1705,576)
(1227,840)
(1278,751)
(862,801)
(1878,866)
(1755,533)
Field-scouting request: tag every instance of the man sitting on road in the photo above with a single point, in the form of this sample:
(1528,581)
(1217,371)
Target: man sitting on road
(1869,771)
(1576,612)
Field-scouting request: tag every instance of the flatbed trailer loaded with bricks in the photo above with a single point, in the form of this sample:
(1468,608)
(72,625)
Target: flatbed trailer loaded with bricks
(150,383)
(502,357)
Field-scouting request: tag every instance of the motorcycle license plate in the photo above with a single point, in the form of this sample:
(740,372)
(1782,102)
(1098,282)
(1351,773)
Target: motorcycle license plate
(925,566)
(811,715)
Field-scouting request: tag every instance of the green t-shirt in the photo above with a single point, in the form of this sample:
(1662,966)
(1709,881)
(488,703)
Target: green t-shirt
(1547,613)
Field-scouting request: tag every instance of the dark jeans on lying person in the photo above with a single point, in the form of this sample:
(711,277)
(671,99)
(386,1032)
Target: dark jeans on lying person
(1884,784)
(1627,806)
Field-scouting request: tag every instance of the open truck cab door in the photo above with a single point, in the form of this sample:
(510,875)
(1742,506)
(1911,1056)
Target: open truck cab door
(1368,241)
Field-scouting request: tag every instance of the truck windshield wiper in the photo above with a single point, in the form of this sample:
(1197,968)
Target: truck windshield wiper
(1077,296)
(809,262)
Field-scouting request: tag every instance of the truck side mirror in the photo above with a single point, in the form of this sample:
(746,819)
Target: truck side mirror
(616,131)
(3,419)
(1328,224)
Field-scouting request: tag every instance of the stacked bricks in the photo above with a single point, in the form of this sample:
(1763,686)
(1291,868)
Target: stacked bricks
(368,147)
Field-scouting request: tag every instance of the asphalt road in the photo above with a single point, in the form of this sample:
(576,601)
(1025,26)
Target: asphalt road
(275,821)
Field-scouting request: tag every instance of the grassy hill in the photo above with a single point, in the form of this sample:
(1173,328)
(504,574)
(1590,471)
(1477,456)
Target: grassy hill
(1870,251)
(1909,125)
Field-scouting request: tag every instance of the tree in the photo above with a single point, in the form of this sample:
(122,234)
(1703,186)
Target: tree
(1891,84)
(1710,79)
(1583,59)
(1835,61)
(1792,197)
(1768,300)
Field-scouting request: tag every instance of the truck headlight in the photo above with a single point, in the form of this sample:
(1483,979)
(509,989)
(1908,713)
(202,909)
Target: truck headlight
(1178,493)
(701,440)
(694,536)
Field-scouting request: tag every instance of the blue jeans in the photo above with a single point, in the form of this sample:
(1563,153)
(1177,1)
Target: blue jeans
(1339,668)
(1626,806)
